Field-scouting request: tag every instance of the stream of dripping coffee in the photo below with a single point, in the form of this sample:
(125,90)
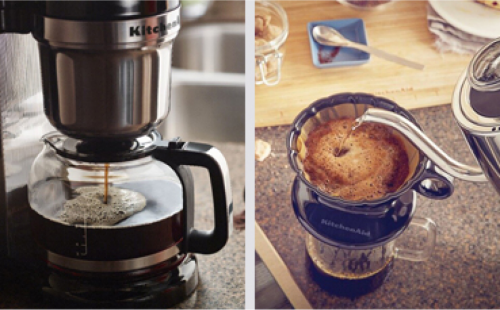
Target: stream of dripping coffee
(106,184)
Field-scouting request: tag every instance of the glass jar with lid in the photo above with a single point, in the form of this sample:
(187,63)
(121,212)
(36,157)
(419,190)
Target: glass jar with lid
(271,32)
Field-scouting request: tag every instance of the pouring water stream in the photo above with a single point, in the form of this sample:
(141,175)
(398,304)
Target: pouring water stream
(340,149)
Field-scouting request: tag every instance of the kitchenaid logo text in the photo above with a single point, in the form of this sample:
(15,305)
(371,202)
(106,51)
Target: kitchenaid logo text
(349,229)
(145,30)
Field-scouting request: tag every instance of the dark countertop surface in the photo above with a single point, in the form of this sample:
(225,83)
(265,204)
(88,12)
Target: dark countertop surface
(222,275)
(268,294)
(464,270)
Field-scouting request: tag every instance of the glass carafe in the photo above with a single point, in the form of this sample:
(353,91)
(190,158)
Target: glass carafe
(357,271)
(123,210)
(56,180)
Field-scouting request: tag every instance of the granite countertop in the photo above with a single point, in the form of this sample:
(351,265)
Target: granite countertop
(464,270)
(222,275)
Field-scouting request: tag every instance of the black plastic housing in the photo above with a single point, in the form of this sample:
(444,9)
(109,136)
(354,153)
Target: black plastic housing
(18,16)
(105,10)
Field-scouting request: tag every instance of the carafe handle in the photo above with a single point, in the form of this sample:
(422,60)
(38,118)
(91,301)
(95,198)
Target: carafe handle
(424,254)
(180,154)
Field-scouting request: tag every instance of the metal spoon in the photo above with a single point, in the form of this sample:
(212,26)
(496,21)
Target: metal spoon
(325,35)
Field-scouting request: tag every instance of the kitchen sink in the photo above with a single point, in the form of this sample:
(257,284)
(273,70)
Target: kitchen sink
(208,84)
(206,107)
(212,47)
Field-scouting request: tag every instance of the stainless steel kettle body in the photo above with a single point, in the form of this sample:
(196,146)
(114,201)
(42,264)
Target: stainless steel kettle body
(484,141)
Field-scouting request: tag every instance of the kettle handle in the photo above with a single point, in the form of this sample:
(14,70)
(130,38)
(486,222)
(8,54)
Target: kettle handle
(180,154)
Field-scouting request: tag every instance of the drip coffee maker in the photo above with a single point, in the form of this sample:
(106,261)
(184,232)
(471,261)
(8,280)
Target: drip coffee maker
(351,244)
(111,204)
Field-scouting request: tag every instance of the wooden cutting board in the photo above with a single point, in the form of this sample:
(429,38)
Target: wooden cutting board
(400,29)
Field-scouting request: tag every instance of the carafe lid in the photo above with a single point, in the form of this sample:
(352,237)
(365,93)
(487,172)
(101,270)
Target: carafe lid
(476,101)
(102,151)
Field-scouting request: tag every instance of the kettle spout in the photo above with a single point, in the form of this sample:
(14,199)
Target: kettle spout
(424,144)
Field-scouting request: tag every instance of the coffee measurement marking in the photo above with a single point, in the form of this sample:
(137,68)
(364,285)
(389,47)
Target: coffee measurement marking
(84,244)
(106,173)
(340,149)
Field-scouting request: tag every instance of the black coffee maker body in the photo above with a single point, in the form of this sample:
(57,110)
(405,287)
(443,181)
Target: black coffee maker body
(105,74)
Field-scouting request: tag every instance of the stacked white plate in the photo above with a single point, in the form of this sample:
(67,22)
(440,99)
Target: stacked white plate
(469,16)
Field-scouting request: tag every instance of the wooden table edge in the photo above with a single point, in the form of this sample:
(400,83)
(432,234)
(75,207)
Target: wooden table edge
(279,270)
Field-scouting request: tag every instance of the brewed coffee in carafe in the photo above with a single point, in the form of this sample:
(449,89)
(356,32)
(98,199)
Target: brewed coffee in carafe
(346,272)
(128,203)
(97,197)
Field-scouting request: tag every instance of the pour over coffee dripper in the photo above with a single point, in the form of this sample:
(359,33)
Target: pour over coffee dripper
(358,228)
(382,219)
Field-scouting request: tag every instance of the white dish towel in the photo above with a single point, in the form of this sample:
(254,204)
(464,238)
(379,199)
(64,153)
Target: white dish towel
(451,39)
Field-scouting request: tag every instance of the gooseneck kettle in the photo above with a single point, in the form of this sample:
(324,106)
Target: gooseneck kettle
(476,109)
